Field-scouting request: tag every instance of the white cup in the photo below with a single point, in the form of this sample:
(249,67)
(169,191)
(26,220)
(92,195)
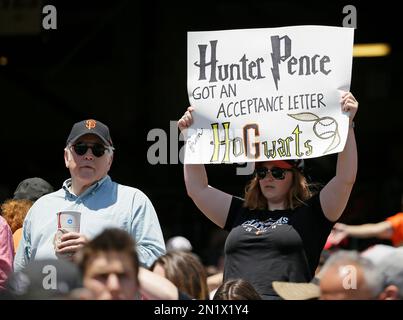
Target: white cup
(69,221)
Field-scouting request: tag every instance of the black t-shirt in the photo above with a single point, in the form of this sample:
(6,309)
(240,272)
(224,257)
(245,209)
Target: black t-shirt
(280,245)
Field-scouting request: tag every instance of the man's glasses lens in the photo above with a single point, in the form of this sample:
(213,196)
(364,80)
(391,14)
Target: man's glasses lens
(97,149)
(277,173)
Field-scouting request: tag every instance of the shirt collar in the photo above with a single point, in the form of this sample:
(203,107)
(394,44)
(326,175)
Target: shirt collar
(94,187)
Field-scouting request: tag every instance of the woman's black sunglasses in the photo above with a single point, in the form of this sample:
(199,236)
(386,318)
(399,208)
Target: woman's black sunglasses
(97,149)
(276,172)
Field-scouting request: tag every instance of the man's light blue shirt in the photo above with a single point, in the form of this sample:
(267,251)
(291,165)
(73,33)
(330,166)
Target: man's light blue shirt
(103,205)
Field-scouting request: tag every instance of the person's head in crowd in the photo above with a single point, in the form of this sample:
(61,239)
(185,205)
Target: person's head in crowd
(391,266)
(32,189)
(27,192)
(185,271)
(46,280)
(88,154)
(14,211)
(292,184)
(110,266)
(348,276)
(377,253)
(236,289)
(178,243)
(371,269)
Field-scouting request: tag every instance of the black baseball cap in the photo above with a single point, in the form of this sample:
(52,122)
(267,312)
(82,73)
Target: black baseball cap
(90,126)
(32,189)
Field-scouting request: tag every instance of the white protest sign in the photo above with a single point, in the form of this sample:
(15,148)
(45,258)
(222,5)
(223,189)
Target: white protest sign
(265,94)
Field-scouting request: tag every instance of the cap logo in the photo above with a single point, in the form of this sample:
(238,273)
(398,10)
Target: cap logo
(90,124)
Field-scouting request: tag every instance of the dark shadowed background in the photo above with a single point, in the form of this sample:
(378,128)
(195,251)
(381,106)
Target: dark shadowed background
(124,63)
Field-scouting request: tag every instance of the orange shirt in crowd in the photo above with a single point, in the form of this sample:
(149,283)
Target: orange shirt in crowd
(16,238)
(397,224)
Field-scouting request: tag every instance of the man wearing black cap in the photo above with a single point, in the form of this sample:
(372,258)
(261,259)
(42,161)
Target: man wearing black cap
(102,203)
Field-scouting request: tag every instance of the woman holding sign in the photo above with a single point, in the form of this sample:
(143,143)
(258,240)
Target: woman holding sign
(278,231)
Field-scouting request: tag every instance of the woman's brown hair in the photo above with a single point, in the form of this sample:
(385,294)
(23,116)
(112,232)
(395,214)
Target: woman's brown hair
(236,289)
(185,271)
(299,192)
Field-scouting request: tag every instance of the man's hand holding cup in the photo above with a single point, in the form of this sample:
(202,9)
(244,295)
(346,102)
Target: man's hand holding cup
(68,239)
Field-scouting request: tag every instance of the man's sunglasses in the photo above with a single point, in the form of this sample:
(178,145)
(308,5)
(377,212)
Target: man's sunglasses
(97,149)
(276,172)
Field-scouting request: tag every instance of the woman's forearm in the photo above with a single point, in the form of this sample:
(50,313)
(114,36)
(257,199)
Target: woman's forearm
(195,178)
